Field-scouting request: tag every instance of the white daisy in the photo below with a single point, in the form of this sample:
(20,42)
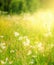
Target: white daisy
(40,47)
(26,43)
(10,62)
(25,37)
(12,51)
(32,62)
(29,52)
(20,38)
(16,34)
(3,62)
(6,59)
(1,36)
(2,45)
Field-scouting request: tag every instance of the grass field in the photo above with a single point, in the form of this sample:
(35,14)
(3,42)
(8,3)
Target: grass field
(27,40)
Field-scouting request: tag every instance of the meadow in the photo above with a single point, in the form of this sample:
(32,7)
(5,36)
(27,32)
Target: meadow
(27,39)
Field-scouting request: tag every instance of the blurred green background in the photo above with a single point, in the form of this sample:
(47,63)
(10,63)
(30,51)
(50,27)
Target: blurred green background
(19,6)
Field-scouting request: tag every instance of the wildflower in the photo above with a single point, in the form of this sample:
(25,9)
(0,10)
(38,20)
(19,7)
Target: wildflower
(16,34)
(29,52)
(12,51)
(2,45)
(3,62)
(40,47)
(10,62)
(32,46)
(25,37)
(26,43)
(6,59)
(1,36)
(28,40)
(32,61)
(20,38)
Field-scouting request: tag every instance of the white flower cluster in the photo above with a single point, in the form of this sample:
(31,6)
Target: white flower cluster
(29,52)
(26,42)
(12,51)
(3,45)
(6,60)
(16,34)
(40,46)
(20,38)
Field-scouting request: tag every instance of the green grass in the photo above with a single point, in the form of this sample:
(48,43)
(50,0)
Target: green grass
(25,43)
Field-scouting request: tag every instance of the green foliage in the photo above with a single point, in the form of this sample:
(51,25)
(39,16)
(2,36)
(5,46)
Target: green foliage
(19,6)
(16,6)
(4,5)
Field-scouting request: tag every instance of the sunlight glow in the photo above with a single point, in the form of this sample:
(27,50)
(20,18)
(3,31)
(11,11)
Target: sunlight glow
(42,18)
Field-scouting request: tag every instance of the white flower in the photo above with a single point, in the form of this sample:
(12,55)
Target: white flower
(1,36)
(40,47)
(32,46)
(32,62)
(3,62)
(6,59)
(20,38)
(26,43)
(12,51)
(28,40)
(10,62)
(2,45)
(29,52)
(25,37)
(16,34)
